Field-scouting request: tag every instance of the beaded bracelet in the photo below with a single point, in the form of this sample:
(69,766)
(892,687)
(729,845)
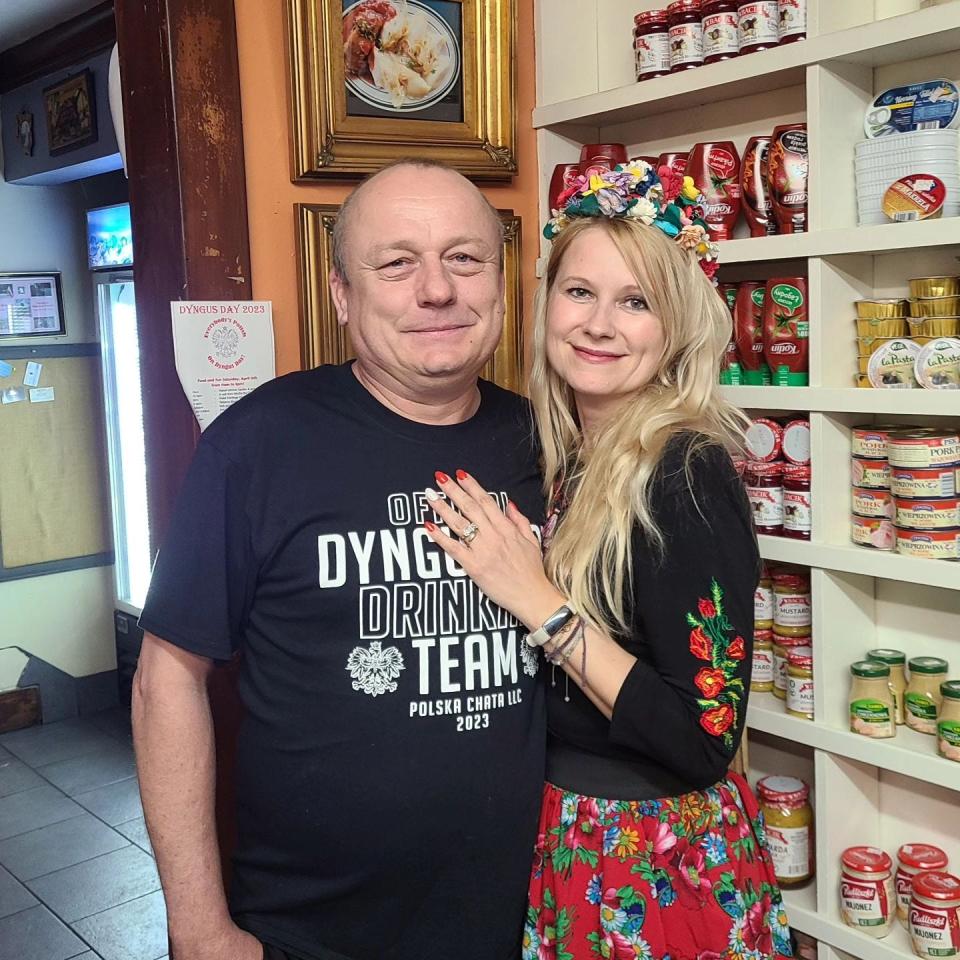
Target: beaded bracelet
(563,653)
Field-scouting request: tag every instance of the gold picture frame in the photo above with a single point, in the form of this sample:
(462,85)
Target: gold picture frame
(345,125)
(324,340)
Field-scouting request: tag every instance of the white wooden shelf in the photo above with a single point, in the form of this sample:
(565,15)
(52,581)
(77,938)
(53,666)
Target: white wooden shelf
(925,403)
(893,40)
(910,753)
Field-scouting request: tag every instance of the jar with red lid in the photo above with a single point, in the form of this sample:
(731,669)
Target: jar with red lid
(935,915)
(758,25)
(793,20)
(867,899)
(686,35)
(913,859)
(800,682)
(788,825)
(720,24)
(651,43)
(764,485)
(796,502)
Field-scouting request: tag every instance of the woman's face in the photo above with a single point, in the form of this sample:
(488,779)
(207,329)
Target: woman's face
(601,337)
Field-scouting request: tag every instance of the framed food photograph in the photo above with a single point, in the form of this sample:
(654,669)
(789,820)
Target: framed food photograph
(31,305)
(375,80)
(324,340)
(71,109)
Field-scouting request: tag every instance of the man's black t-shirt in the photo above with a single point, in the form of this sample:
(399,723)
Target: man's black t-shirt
(391,754)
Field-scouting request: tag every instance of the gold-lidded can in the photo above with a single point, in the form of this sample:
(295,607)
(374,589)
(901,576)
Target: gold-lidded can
(881,309)
(925,287)
(933,327)
(935,307)
(881,326)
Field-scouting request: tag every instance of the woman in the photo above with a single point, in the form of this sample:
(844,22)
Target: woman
(648,846)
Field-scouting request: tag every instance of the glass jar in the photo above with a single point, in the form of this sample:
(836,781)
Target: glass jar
(922,699)
(792,606)
(935,915)
(764,485)
(914,858)
(757,25)
(796,502)
(792,20)
(871,702)
(720,24)
(686,35)
(781,648)
(896,660)
(651,42)
(948,722)
(867,897)
(761,675)
(763,602)
(800,682)
(788,823)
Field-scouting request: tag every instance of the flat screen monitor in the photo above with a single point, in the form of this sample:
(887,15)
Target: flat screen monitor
(109,241)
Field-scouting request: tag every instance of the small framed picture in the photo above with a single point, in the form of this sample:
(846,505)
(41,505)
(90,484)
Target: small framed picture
(31,305)
(71,108)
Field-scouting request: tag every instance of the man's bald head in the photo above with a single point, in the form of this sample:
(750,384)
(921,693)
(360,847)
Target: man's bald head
(393,174)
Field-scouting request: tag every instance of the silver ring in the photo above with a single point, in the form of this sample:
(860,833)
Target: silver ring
(469,534)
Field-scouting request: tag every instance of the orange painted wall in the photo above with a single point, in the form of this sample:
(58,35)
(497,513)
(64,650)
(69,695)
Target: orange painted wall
(261,41)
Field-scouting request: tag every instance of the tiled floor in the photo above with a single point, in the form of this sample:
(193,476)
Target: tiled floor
(77,876)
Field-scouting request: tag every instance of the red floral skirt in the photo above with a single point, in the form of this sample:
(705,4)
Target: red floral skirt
(684,878)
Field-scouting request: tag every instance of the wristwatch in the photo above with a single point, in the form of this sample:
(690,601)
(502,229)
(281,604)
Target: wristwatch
(550,627)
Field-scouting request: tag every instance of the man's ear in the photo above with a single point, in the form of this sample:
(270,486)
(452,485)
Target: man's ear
(338,290)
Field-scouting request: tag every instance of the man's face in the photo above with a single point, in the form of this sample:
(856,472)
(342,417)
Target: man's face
(423,295)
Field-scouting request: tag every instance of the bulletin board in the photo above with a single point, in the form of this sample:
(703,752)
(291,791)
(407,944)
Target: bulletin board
(54,487)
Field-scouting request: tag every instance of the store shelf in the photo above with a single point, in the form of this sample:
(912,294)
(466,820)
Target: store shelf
(895,39)
(926,403)
(853,559)
(909,753)
(896,946)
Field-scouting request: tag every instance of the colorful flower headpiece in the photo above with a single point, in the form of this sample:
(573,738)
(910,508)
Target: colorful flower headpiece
(659,198)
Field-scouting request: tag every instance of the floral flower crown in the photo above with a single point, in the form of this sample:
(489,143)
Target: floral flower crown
(659,198)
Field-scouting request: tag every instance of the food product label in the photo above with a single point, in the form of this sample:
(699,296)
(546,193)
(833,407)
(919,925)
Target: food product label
(869,444)
(786,295)
(720,34)
(925,453)
(921,713)
(762,671)
(893,365)
(797,515)
(758,23)
(876,475)
(931,105)
(653,54)
(873,503)
(871,718)
(762,604)
(767,506)
(793,18)
(796,442)
(917,197)
(864,903)
(686,44)
(790,851)
(938,364)
(919,484)
(904,884)
(930,545)
(779,672)
(793,610)
(928,514)
(935,931)
(800,694)
(873,532)
(948,739)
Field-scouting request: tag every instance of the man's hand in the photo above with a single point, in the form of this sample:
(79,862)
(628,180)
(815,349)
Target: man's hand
(232,944)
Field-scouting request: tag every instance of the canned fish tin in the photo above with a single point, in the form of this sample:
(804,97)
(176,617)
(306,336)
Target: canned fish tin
(919,448)
(919,484)
(873,503)
(928,514)
(870,440)
(929,544)
(873,532)
(871,474)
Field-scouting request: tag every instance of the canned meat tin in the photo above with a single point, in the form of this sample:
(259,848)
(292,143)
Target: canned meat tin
(873,532)
(918,448)
(872,474)
(917,483)
(873,503)
(870,440)
(929,544)
(928,514)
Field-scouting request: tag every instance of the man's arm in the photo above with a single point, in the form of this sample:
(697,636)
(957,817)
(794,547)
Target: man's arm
(173,737)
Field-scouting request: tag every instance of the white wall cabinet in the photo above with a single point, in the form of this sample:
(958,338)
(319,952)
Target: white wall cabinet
(865,791)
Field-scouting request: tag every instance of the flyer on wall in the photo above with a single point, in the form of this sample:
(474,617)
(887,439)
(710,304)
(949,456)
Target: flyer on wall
(223,351)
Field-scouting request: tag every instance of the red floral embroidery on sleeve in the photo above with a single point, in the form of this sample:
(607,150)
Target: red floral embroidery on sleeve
(714,640)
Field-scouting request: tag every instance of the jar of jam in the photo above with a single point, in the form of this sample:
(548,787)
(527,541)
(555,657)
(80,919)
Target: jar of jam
(867,898)
(800,682)
(757,25)
(761,675)
(793,20)
(912,859)
(782,645)
(788,818)
(796,502)
(686,35)
(792,605)
(720,25)
(763,602)
(764,485)
(651,43)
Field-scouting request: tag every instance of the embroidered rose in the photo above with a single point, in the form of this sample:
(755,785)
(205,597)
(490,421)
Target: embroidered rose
(710,682)
(706,608)
(718,720)
(736,650)
(699,644)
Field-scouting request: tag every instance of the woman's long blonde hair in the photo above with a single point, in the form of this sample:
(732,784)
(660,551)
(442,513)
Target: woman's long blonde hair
(590,555)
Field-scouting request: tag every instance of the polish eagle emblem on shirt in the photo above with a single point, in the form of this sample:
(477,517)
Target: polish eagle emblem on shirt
(375,670)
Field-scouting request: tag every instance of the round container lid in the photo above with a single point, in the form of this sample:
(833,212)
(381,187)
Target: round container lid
(800,657)
(783,790)
(791,581)
(950,689)
(782,640)
(764,438)
(936,885)
(684,6)
(866,860)
(870,669)
(928,665)
(884,655)
(796,441)
(922,856)
(762,636)
(650,16)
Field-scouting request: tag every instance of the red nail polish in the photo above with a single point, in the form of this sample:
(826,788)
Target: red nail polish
(430,525)
(441,477)
(462,475)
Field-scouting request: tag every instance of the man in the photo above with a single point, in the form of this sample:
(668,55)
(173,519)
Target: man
(390,759)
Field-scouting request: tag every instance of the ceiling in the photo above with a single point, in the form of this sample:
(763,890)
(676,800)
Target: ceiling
(22,19)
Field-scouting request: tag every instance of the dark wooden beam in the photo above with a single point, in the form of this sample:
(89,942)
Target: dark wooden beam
(59,48)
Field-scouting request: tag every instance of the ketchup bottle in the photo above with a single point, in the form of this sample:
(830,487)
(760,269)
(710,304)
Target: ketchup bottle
(787,167)
(757,205)
(715,168)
